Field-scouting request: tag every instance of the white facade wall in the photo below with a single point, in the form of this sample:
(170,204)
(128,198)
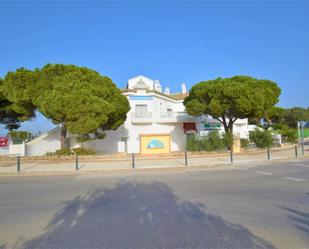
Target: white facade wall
(149,82)
(179,106)
(4,151)
(178,137)
(48,142)
(155,105)
(112,143)
(240,128)
(17,149)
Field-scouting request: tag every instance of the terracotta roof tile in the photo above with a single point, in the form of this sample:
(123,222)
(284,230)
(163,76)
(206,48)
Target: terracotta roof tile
(179,96)
(174,96)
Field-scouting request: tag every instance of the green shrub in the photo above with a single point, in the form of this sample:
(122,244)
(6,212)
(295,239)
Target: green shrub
(19,137)
(63,152)
(228,140)
(244,143)
(279,126)
(191,142)
(289,135)
(84,151)
(215,142)
(261,138)
(68,152)
(211,142)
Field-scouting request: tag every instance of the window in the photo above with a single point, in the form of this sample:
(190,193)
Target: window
(140,108)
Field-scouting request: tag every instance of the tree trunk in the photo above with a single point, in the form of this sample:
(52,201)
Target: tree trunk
(63,136)
(231,147)
(228,129)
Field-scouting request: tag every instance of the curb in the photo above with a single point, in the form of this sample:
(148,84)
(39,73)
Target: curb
(211,167)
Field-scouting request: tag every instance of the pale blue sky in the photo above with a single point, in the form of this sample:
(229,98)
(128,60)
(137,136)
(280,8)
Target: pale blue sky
(172,41)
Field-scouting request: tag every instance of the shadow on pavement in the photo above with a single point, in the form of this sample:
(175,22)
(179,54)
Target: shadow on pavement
(134,215)
(300,219)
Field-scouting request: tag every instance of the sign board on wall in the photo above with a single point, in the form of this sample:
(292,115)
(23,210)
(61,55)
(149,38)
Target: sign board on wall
(155,144)
(212,126)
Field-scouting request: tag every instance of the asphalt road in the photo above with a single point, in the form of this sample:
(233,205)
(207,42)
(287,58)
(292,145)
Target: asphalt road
(241,207)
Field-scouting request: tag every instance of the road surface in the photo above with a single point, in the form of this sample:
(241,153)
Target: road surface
(241,207)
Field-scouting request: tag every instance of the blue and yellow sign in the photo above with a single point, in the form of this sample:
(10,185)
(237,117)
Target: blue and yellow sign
(154,144)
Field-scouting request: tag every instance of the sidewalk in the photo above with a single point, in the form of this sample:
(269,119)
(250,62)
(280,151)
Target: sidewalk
(60,166)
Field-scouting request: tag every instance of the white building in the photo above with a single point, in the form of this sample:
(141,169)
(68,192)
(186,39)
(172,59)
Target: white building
(157,123)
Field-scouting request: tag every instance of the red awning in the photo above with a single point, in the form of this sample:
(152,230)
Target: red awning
(189,127)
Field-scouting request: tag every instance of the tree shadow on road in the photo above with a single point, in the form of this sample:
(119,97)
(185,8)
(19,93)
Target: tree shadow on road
(135,215)
(300,219)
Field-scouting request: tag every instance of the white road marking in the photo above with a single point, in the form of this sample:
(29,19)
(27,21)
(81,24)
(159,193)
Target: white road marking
(294,179)
(301,165)
(264,173)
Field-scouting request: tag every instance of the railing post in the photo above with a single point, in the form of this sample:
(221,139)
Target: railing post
(186,158)
(302,146)
(231,156)
(296,152)
(18,163)
(133,161)
(268,153)
(76,162)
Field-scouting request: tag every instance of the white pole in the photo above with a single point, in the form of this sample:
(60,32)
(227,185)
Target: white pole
(298,128)
(302,137)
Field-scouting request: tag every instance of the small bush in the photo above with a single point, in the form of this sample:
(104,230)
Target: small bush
(84,151)
(289,135)
(244,143)
(215,142)
(63,152)
(19,137)
(261,138)
(279,126)
(211,142)
(68,152)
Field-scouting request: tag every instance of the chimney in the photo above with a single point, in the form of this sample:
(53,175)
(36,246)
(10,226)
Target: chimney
(167,91)
(157,86)
(183,88)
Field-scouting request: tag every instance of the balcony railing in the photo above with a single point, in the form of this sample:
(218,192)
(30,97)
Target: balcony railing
(174,117)
(141,117)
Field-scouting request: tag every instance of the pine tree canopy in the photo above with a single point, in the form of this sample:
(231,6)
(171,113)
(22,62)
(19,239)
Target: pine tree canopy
(79,98)
(228,99)
(8,117)
(85,101)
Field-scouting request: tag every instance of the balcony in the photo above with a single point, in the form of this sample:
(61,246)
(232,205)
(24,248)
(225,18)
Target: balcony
(174,117)
(141,117)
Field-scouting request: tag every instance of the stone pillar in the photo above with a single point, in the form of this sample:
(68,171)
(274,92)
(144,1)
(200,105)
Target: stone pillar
(236,144)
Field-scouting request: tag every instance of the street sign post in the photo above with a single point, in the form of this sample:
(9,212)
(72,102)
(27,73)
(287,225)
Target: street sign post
(301,125)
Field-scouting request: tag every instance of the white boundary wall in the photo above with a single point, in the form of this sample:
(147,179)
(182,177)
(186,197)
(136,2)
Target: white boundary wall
(17,149)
